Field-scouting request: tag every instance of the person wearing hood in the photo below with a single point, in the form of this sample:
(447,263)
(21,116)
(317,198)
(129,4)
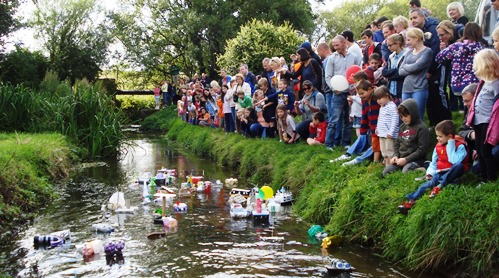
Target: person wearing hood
(312,53)
(413,141)
(437,107)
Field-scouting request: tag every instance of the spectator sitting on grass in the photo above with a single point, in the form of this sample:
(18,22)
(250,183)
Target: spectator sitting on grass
(448,163)
(317,129)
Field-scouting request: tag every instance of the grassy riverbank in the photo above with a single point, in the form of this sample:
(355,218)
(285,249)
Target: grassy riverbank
(29,166)
(458,229)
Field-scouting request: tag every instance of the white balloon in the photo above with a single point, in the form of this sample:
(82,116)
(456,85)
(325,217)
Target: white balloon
(339,83)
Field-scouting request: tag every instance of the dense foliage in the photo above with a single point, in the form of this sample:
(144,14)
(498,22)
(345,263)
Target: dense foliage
(74,37)
(190,34)
(458,229)
(363,12)
(23,67)
(257,40)
(84,113)
(7,21)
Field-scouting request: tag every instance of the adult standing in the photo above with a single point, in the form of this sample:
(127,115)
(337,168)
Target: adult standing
(337,103)
(401,24)
(311,52)
(165,91)
(396,43)
(455,12)
(447,34)
(248,76)
(267,71)
(352,45)
(415,67)
(437,109)
(309,70)
(460,56)
(225,77)
(312,102)
(388,29)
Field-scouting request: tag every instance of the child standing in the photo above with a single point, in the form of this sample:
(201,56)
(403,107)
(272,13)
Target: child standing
(283,96)
(370,112)
(157,95)
(484,111)
(388,123)
(448,163)
(286,125)
(317,129)
(374,70)
(413,140)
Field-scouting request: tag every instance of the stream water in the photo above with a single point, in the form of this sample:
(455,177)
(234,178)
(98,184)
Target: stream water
(207,243)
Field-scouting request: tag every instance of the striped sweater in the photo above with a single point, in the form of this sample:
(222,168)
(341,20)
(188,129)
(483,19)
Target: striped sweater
(370,112)
(388,120)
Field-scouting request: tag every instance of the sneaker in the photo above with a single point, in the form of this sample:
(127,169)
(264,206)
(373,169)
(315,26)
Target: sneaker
(420,178)
(351,163)
(405,207)
(330,148)
(342,157)
(434,192)
(346,147)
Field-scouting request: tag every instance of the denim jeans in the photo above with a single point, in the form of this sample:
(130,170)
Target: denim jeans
(442,179)
(302,128)
(359,145)
(339,127)
(257,130)
(421,97)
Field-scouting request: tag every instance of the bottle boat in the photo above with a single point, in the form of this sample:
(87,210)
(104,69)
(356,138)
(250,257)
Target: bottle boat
(283,197)
(238,211)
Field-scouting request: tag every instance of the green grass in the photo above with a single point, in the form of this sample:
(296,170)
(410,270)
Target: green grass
(29,166)
(458,229)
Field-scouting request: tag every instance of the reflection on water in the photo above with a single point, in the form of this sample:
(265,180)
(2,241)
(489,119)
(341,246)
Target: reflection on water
(207,242)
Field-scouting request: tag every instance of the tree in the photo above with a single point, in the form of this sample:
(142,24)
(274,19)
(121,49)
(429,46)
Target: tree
(75,35)
(23,67)
(7,21)
(192,33)
(266,39)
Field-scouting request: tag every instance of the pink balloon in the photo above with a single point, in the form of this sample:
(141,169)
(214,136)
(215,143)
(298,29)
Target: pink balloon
(350,72)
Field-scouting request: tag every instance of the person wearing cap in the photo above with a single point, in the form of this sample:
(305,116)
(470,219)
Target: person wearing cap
(312,54)
(352,46)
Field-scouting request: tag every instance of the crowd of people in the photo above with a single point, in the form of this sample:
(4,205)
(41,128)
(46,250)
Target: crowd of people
(399,73)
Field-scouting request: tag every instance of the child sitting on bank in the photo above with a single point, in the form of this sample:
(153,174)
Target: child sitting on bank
(317,129)
(286,125)
(247,118)
(204,117)
(448,163)
(388,122)
(369,121)
(413,141)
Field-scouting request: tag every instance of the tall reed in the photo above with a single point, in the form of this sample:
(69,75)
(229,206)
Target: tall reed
(84,113)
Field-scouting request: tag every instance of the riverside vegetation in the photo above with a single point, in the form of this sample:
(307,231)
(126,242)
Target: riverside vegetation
(456,230)
(42,133)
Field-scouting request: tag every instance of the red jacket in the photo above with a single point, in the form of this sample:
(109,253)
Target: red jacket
(443,159)
(319,131)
